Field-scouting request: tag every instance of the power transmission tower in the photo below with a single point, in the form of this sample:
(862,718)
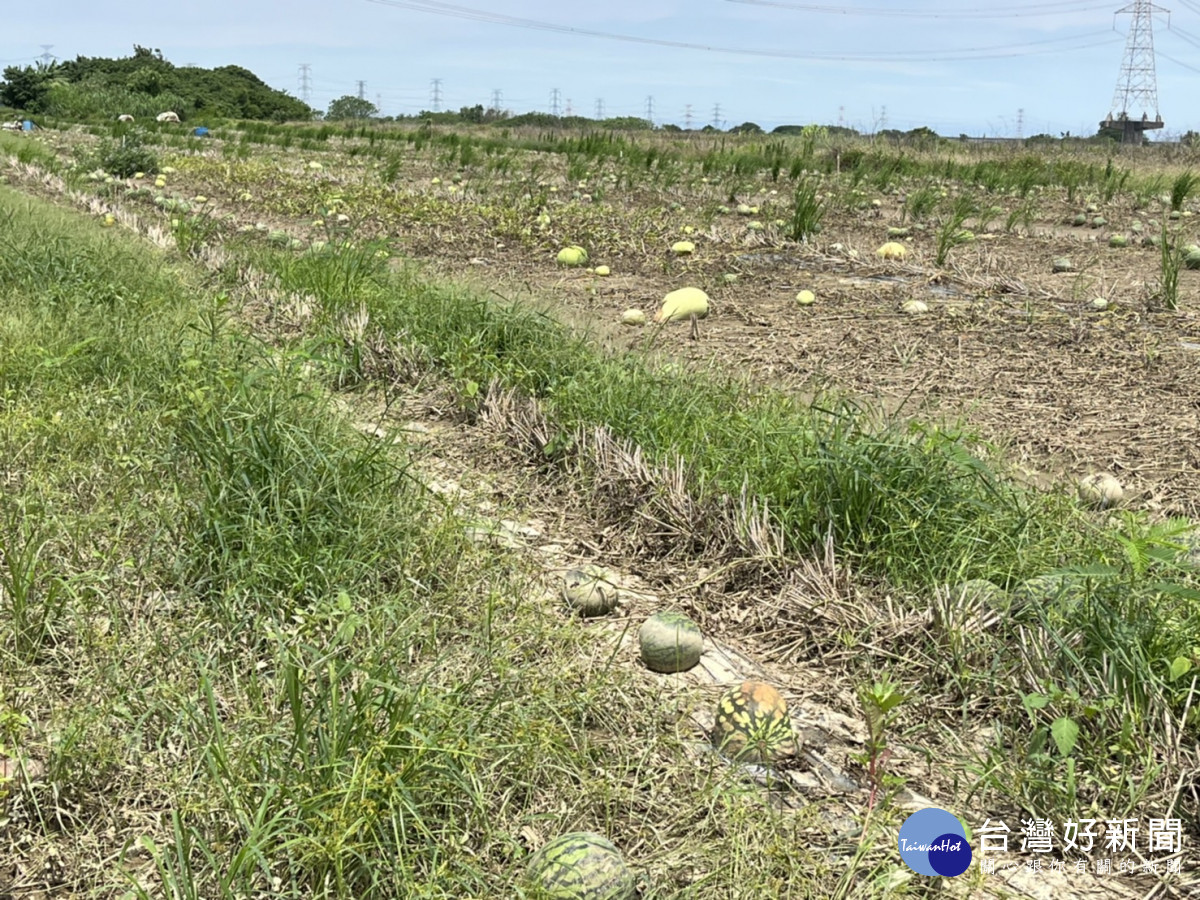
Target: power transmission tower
(305,84)
(378,103)
(46,54)
(650,110)
(687,117)
(1137,85)
(497,99)
(555,96)
(435,94)
(599,108)
(1020,124)
(569,111)
(841,117)
(362,86)
(883,118)
(716,122)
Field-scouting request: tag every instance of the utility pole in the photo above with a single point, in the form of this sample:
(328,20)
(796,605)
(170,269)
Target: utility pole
(599,108)
(687,117)
(1136,95)
(362,86)
(716,123)
(305,84)
(555,100)
(435,94)
(650,110)
(497,99)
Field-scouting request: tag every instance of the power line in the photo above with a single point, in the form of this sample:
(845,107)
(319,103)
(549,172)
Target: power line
(970,53)
(1177,62)
(1012,12)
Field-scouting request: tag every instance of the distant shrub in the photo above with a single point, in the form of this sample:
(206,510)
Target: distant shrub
(128,155)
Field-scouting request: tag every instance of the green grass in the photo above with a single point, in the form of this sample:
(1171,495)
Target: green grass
(807,212)
(1182,187)
(28,151)
(286,645)
(836,467)
(909,504)
(243,628)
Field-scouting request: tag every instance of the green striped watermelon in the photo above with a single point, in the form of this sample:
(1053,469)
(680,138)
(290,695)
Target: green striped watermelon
(670,642)
(581,866)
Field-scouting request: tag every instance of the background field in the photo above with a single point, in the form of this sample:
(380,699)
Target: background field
(300,440)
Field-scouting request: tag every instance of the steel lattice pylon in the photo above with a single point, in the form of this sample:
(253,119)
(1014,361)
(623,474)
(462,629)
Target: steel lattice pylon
(1136,96)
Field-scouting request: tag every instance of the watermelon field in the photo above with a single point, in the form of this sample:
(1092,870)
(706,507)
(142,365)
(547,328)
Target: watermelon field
(361,497)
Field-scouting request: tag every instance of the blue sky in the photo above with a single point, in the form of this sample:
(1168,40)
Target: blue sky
(920,62)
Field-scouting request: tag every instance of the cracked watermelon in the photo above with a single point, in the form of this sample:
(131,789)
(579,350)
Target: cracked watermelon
(581,866)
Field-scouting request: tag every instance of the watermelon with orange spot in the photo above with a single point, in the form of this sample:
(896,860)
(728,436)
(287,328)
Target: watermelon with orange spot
(753,724)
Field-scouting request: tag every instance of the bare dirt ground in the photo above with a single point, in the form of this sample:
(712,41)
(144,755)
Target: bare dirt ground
(1012,349)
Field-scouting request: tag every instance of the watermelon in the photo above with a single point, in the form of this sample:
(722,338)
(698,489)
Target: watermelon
(670,642)
(1060,595)
(589,592)
(753,724)
(581,866)
(573,255)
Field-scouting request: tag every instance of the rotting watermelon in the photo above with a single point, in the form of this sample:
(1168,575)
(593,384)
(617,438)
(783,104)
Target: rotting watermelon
(753,724)
(581,866)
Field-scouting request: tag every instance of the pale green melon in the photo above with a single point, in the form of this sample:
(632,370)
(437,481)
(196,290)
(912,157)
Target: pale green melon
(572,256)
(589,593)
(670,642)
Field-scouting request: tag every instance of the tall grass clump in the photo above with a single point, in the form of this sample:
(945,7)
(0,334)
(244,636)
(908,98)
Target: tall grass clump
(921,202)
(1170,261)
(950,232)
(808,209)
(275,485)
(1182,187)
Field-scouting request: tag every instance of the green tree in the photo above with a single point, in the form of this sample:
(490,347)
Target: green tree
(471,113)
(146,81)
(25,87)
(351,107)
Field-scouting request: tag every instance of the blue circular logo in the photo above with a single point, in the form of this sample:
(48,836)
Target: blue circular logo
(934,842)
